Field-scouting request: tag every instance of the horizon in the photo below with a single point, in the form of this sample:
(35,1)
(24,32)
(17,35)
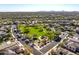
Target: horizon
(41,11)
(38,7)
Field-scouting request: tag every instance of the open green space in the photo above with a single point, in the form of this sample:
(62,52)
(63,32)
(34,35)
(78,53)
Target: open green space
(37,31)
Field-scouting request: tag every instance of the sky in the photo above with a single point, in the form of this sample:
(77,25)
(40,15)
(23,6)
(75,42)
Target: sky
(38,7)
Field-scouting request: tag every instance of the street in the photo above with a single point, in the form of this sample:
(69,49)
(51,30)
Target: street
(45,48)
(48,47)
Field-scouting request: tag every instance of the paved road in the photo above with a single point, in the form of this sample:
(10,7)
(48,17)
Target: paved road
(36,52)
(44,49)
(52,44)
(48,47)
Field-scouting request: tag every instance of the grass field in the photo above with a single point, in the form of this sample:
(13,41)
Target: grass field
(36,31)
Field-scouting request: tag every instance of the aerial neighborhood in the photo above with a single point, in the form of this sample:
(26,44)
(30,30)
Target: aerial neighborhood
(39,33)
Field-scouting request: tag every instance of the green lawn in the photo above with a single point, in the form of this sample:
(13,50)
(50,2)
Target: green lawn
(37,31)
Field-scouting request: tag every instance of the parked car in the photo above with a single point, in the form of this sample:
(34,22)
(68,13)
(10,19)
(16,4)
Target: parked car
(57,39)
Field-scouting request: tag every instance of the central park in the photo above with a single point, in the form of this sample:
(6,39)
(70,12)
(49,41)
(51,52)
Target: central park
(37,30)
